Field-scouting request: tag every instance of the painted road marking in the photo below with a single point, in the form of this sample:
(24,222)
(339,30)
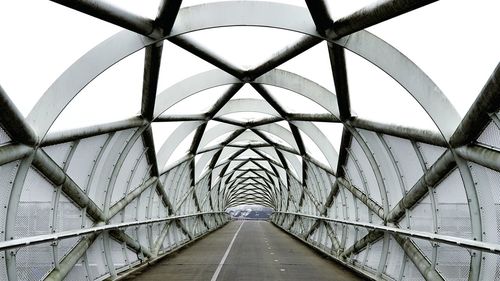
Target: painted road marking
(221,263)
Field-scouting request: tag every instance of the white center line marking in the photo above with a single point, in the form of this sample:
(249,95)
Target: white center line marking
(221,263)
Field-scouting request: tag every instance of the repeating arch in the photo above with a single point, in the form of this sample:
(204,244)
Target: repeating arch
(385,191)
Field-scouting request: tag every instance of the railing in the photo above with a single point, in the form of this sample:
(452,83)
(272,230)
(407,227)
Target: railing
(461,242)
(33,240)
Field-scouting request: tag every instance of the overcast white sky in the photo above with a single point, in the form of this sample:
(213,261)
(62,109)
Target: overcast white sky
(455,42)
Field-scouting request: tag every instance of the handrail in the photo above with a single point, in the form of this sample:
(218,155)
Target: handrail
(33,240)
(461,242)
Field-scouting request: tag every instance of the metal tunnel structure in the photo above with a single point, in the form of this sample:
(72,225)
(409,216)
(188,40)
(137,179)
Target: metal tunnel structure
(393,203)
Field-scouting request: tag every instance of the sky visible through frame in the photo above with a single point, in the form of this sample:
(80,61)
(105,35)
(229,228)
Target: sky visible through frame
(453,41)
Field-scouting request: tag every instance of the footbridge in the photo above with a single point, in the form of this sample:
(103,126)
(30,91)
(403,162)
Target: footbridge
(91,191)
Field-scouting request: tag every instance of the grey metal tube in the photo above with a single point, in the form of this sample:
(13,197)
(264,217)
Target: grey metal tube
(176,118)
(170,207)
(108,12)
(288,53)
(478,117)
(319,12)
(345,143)
(184,229)
(331,196)
(371,237)
(424,136)
(161,237)
(339,71)
(71,258)
(164,197)
(432,177)
(319,164)
(132,243)
(317,223)
(13,121)
(206,55)
(312,229)
(167,13)
(263,121)
(152,62)
(418,259)
(410,249)
(118,206)
(428,236)
(481,155)
(222,100)
(91,131)
(315,117)
(13,152)
(372,205)
(373,14)
(147,136)
(56,175)
(96,229)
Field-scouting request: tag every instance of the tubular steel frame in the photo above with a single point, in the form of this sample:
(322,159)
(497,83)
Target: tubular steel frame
(362,200)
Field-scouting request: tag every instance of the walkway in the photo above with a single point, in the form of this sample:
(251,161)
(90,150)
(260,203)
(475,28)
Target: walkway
(260,251)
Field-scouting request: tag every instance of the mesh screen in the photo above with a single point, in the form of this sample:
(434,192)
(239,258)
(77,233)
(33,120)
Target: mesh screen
(78,272)
(385,165)
(35,206)
(395,259)
(132,256)
(421,217)
(117,255)
(4,137)
(453,262)
(411,272)
(406,159)
(3,268)
(453,210)
(360,258)
(59,153)
(7,175)
(367,171)
(426,247)
(350,236)
(487,184)
(126,171)
(430,153)
(104,168)
(490,135)
(65,246)
(84,158)
(373,258)
(34,262)
(96,260)
(69,216)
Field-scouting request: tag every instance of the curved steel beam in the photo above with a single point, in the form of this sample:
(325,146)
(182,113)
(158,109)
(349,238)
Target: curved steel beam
(302,86)
(79,74)
(317,136)
(190,19)
(174,140)
(247,105)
